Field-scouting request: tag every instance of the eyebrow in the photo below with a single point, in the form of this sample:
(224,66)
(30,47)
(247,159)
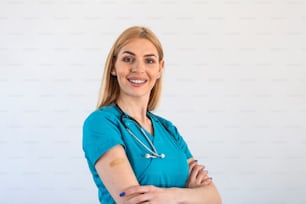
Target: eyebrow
(131,53)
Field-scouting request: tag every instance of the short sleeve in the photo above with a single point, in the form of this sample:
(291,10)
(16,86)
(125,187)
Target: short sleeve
(100,133)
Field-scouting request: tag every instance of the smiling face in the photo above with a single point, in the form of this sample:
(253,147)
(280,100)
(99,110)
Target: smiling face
(137,68)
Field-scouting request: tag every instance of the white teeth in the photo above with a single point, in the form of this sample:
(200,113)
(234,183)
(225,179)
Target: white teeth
(137,81)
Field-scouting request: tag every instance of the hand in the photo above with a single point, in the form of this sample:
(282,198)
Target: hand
(198,176)
(148,194)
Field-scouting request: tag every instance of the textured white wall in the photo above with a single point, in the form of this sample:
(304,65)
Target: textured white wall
(235,85)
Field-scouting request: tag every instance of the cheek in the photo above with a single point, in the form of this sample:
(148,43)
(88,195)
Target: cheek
(120,78)
(155,74)
(121,71)
(119,66)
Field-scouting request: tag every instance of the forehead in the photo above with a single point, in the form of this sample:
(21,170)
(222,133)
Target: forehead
(139,46)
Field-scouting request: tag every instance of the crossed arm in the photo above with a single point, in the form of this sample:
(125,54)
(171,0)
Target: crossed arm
(117,175)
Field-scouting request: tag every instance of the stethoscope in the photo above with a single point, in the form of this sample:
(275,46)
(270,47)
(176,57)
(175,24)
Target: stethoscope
(152,151)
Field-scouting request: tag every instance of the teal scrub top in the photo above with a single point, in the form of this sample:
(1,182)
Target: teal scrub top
(103,129)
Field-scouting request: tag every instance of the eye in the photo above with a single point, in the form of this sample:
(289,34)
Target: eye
(128,59)
(150,61)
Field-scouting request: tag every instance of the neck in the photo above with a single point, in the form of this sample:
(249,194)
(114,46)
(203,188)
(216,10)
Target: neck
(137,110)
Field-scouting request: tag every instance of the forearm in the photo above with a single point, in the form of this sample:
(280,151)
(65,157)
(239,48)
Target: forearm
(206,194)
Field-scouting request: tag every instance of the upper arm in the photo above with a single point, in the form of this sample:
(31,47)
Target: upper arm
(116,172)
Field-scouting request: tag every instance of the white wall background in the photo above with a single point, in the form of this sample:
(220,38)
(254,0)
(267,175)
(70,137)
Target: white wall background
(235,85)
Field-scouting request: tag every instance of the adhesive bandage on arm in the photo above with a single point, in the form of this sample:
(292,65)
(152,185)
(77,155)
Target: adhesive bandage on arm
(116,162)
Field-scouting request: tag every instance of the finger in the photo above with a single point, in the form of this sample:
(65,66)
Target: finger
(208,181)
(138,199)
(202,180)
(199,169)
(202,172)
(204,175)
(192,164)
(134,190)
(201,177)
(196,172)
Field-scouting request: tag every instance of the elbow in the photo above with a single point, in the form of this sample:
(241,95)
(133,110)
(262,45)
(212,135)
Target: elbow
(215,198)
(218,199)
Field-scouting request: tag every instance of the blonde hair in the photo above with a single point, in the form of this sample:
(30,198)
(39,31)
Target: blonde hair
(109,91)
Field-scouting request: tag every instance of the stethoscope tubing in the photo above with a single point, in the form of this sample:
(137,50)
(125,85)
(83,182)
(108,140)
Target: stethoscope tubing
(153,151)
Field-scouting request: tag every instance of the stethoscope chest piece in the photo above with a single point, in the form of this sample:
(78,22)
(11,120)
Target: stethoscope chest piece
(148,156)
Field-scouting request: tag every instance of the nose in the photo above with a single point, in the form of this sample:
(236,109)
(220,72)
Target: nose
(137,67)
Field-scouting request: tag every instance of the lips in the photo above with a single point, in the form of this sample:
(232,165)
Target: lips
(137,81)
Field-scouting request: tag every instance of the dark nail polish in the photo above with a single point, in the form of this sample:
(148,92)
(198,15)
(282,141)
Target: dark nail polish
(122,194)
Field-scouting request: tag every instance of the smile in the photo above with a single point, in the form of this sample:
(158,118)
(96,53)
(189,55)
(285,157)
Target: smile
(137,81)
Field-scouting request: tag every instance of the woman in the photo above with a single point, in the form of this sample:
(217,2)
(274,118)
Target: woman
(134,155)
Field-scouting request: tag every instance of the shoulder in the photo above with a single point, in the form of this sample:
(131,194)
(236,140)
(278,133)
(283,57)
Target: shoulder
(105,114)
(160,118)
(165,122)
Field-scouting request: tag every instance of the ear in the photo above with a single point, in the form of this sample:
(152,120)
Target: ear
(161,68)
(113,73)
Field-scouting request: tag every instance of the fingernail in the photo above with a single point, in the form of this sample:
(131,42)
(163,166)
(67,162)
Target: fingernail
(122,194)
(196,160)
(210,178)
